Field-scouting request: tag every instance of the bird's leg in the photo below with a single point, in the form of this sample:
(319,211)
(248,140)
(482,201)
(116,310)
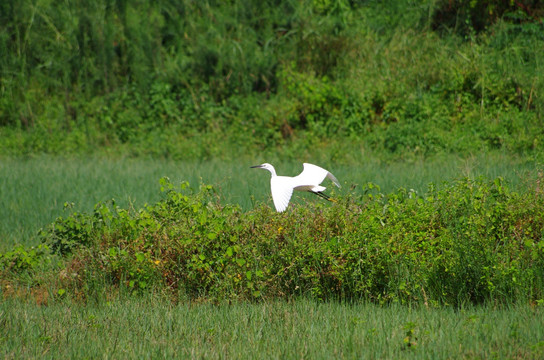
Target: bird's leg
(323,195)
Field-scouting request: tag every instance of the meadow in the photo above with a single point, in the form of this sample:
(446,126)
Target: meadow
(136,328)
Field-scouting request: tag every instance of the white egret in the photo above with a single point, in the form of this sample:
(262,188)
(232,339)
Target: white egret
(308,180)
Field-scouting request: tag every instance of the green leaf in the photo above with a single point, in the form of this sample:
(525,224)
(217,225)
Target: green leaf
(230,251)
(240,262)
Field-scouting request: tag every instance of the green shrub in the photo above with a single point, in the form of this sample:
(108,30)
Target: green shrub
(469,241)
(21,259)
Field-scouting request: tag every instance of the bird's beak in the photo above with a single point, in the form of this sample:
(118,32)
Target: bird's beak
(256,166)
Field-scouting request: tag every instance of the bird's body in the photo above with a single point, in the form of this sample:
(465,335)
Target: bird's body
(308,180)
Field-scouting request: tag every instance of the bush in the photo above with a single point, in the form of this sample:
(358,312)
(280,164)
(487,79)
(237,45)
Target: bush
(469,241)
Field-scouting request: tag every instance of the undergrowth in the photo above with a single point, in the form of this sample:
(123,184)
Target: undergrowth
(465,242)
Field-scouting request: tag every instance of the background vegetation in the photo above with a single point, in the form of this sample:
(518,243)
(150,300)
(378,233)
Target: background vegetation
(208,79)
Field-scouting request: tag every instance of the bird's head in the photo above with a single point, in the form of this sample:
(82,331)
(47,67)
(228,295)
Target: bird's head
(265,166)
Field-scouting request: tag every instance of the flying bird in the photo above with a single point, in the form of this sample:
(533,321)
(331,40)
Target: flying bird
(308,180)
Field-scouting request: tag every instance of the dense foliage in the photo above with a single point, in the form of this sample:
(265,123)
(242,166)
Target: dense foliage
(466,16)
(199,79)
(469,241)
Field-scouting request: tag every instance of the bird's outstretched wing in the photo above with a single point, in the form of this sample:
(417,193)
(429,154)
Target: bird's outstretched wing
(281,192)
(314,175)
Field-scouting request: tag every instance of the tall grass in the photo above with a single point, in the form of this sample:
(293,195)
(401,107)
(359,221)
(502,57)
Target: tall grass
(34,190)
(142,328)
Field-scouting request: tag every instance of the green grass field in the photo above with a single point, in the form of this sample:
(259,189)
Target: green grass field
(143,328)
(34,190)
